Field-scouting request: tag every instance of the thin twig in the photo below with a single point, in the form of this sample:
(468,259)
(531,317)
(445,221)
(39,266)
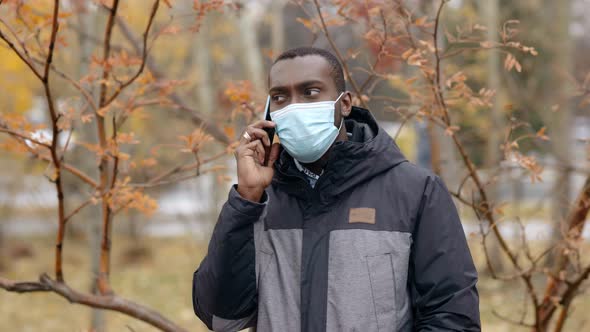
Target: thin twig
(175,98)
(87,97)
(143,56)
(510,320)
(20,55)
(575,221)
(160,179)
(65,166)
(25,137)
(378,56)
(178,179)
(84,177)
(357,90)
(78,209)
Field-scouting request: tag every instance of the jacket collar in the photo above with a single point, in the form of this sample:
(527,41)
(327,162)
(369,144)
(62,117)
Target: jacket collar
(369,152)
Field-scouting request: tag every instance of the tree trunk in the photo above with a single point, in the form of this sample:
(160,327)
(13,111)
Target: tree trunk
(490,12)
(443,154)
(250,50)
(277,27)
(90,21)
(202,61)
(207,101)
(559,121)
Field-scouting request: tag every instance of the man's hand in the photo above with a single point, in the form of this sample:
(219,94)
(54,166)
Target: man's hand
(253,175)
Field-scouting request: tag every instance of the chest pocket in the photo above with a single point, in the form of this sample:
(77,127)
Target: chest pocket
(367,278)
(381,278)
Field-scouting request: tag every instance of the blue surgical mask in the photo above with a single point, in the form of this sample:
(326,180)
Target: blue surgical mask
(307,130)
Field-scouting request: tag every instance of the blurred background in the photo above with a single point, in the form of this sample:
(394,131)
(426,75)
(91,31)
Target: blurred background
(525,125)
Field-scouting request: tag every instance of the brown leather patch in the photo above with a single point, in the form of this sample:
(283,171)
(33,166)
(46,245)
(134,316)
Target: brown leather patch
(364,215)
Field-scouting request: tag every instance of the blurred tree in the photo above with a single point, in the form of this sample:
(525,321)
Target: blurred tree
(277,27)
(557,110)
(248,18)
(489,10)
(89,21)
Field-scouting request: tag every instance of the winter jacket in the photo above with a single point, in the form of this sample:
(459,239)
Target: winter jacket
(377,245)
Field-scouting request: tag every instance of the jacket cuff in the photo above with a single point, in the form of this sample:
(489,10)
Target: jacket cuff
(245,206)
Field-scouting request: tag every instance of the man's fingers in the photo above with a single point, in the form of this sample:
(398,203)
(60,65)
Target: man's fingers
(245,138)
(259,151)
(263,124)
(253,149)
(257,133)
(274,154)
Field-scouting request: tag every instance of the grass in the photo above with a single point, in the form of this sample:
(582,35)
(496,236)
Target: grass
(159,275)
(161,280)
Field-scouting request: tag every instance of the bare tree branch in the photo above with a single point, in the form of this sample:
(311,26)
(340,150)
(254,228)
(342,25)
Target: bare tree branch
(575,222)
(104,268)
(357,90)
(176,99)
(108,302)
(54,143)
(20,55)
(143,56)
(24,136)
(23,286)
(485,203)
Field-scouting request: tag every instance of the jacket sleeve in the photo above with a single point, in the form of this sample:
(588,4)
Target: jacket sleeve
(224,285)
(443,276)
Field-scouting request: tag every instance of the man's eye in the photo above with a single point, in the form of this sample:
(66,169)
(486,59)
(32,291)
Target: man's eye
(312,92)
(277,98)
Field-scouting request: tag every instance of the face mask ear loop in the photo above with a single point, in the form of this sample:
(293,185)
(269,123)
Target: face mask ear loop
(341,122)
(341,116)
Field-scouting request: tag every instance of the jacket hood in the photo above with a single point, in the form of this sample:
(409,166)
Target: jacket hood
(369,152)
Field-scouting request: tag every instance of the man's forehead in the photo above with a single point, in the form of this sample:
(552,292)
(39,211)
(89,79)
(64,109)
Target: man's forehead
(299,69)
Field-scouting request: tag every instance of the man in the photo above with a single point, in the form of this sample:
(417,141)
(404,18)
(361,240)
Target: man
(338,232)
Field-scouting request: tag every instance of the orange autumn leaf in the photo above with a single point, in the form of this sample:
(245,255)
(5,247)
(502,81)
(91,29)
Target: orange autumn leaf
(126,138)
(421,21)
(306,23)
(87,117)
(195,141)
(149,162)
(541,134)
(229,131)
(239,92)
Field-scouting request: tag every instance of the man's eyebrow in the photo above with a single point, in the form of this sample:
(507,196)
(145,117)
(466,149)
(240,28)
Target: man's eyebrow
(298,85)
(310,82)
(277,89)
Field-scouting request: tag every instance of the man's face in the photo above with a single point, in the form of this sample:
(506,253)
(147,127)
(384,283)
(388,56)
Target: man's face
(304,79)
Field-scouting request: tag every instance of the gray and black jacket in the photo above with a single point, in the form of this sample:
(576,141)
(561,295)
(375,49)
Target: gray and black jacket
(377,245)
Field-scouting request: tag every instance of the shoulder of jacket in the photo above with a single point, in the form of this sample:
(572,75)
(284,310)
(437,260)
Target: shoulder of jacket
(412,174)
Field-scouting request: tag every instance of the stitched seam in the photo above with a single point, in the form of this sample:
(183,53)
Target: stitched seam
(372,291)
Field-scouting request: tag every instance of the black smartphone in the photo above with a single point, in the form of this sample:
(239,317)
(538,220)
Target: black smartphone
(269,131)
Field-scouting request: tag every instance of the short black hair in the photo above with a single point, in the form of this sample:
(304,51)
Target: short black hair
(336,68)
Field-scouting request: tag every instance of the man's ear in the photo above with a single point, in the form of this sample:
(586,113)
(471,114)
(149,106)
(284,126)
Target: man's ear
(346,104)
